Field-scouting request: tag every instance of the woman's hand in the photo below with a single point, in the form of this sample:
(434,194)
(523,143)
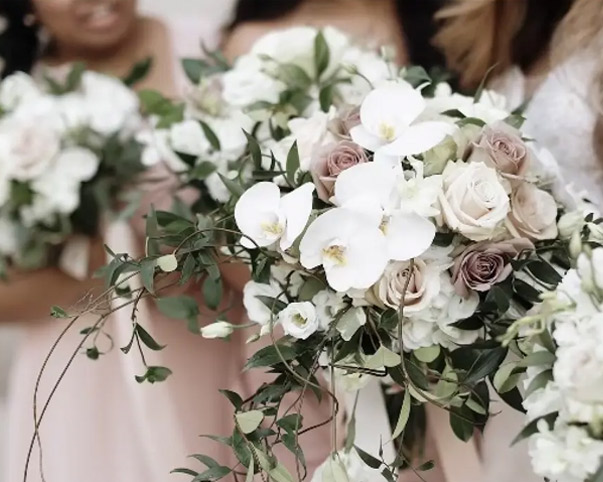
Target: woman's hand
(29,295)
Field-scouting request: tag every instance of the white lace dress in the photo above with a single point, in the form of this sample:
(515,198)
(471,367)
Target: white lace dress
(561,116)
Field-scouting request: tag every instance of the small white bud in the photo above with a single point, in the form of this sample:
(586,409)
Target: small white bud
(219,329)
(167,263)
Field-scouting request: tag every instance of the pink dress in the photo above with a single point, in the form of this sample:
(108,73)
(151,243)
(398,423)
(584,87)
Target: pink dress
(102,426)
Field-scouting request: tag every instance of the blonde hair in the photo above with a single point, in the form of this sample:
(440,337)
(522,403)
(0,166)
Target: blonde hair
(478,35)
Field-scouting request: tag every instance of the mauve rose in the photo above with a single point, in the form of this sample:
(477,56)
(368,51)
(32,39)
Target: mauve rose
(332,160)
(500,146)
(482,265)
(533,213)
(348,118)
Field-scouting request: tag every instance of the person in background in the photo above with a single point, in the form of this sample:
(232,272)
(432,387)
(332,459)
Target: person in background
(101,425)
(547,55)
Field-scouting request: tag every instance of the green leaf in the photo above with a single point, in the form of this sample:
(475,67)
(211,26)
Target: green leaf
(154,374)
(184,471)
(75,76)
(292,163)
(280,474)
(325,97)
(205,460)
(147,273)
(202,170)
(58,312)
(275,306)
(486,363)
(334,471)
(350,437)
(250,471)
(268,356)
(254,150)
(233,187)
(427,354)
(93,353)
(310,288)
(368,459)
(532,427)
(539,381)
(461,427)
(294,76)
(598,477)
(138,72)
(147,339)
(403,417)
(212,292)
(211,135)
(193,68)
(178,307)
(233,397)
(504,379)
(249,421)
(215,473)
(383,358)
(480,89)
(321,54)
(291,422)
(538,358)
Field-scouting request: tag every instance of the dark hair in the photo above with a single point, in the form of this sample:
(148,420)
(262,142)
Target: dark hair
(19,42)
(415,18)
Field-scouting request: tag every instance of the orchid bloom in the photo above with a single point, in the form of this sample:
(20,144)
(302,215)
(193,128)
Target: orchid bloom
(390,122)
(374,190)
(350,247)
(264,217)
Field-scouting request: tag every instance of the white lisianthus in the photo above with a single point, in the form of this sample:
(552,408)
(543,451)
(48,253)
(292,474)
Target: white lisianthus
(310,134)
(219,329)
(296,46)
(328,303)
(590,269)
(17,89)
(299,320)
(474,201)
(246,84)
(350,246)
(266,217)
(372,189)
(390,122)
(257,311)
(187,137)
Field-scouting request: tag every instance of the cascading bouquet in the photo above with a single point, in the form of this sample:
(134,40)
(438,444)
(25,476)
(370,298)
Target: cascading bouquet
(67,149)
(393,230)
(561,343)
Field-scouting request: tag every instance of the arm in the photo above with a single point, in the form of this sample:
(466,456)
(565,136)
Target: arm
(29,295)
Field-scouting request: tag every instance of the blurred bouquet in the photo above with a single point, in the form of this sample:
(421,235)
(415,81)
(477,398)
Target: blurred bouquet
(67,149)
(561,344)
(392,227)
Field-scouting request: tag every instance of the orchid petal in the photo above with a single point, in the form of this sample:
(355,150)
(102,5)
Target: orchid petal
(408,236)
(419,138)
(253,206)
(370,180)
(364,138)
(297,206)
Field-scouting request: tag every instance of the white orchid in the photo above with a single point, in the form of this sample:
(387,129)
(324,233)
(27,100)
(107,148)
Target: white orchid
(378,190)
(264,217)
(391,123)
(349,245)
(257,311)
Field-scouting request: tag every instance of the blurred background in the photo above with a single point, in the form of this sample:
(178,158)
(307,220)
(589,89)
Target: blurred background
(206,10)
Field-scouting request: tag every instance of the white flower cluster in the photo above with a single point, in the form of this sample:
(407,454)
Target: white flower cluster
(50,145)
(570,448)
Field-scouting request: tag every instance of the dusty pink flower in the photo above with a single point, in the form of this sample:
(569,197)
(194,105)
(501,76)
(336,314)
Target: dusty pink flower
(533,213)
(500,146)
(348,118)
(482,265)
(332,160)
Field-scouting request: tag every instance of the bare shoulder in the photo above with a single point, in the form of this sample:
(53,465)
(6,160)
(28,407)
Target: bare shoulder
(242,37)
(154,28)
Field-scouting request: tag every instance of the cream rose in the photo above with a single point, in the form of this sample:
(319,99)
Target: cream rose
(533,213)
(474,201)
(500,146)
(423,286)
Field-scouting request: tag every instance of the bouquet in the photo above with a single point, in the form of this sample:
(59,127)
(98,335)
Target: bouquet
(393,230)
(561,348)
(67,150)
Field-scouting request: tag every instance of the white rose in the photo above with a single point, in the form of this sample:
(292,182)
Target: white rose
(187,137)
(299,319)
(257,311)
(28,144)
(533,213)
(219,329)
(474,201)
(16,89)
(246,84)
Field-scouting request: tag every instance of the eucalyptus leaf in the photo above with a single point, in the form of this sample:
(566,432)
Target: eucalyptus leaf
(322,54)
(403,417)
(178,307)
(58,312)
(249,421)
(280,474)
(383,357)
(147,339)
(292,163)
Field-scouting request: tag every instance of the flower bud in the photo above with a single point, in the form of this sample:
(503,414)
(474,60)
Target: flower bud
(219,329)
